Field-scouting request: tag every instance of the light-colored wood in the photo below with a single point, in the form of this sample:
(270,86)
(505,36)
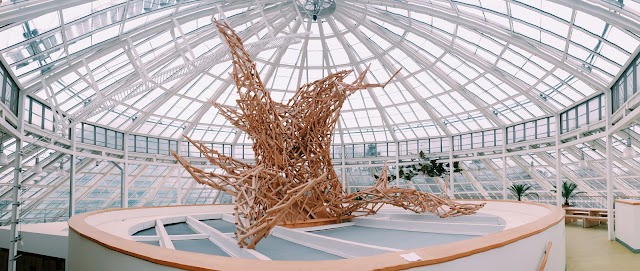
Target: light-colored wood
(629,201)
(579,209)
(316,222)
(390,261)
(545,258)
(293,180)
(589,216)
(587,220)
(597,218)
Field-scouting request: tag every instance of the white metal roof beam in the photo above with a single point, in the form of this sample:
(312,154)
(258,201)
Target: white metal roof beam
(604,13)
(63,181)
(521,163)
(20,12)
(622,186)
(222,88)
(575,152)
(158,26)
(359,70)
(147,83)
(430,66)
(473,22)
(399,78)
(474,182)
(204,107)
(466,55)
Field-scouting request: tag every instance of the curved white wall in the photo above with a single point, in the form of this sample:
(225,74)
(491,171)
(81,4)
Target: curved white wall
(520,247)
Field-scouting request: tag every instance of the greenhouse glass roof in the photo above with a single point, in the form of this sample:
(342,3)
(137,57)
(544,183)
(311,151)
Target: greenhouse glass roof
(475,75)
(466,65)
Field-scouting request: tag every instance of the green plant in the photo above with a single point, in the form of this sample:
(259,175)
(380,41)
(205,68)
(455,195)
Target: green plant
(425,166)
(405,173)
(372,151)
(568,191)
(520,190)
(432,168)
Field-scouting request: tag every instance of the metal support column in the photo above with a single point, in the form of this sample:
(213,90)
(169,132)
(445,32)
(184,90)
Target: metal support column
(610,212)
(609,155)
(397,164)
(558,163)
(451,187)
(179,172)
(72,174)
(343,172)
(124,184)
(123,199)
(504,163)
(17,180)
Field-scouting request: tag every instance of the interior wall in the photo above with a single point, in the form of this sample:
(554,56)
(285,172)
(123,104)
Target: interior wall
(32,262)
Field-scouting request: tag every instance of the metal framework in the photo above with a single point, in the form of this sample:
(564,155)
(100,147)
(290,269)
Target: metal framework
(467,68)
(293,181)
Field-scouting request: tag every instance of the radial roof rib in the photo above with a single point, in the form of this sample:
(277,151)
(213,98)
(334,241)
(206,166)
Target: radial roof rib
(200,39)
(472,179)
(359,70)
(303,56)
(493,168)
(73,62)
(602,10)
(98,182)
(216,95)
(172,91)
(575,152)
(183,82)
(488,67)
(630,164)
(151,192)
(550,160)
(62,181)
(455,49)
(471,21)
(430,66)
(520,162)
(34,8)
(400,78)
(49,161)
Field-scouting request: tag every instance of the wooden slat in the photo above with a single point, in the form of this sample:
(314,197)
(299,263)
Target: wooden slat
(596,218)
(293,180)
(545,258)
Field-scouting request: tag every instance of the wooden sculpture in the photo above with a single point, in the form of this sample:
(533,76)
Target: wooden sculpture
(293,180)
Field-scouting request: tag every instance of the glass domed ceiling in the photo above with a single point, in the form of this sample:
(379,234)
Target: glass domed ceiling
(466,65)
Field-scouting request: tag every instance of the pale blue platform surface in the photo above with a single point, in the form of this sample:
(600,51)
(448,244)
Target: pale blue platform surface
(391,238)
(283,250)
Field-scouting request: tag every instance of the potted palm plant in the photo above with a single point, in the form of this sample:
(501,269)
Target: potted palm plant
(521,190)
(568,191)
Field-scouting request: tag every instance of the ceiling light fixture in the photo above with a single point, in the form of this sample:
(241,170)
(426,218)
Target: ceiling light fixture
(37,168)
(3,157)
(61,172)
(583,163)
(316,9)
(629,152)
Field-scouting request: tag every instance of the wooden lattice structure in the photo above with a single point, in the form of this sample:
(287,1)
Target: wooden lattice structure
(293,180)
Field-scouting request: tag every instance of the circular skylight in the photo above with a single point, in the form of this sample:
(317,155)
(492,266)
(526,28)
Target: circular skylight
(316,8)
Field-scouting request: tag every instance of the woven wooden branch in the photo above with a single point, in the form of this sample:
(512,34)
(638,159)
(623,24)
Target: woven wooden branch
(293,179)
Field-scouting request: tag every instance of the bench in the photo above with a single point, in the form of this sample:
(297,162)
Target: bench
(587,221)
(589,217)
